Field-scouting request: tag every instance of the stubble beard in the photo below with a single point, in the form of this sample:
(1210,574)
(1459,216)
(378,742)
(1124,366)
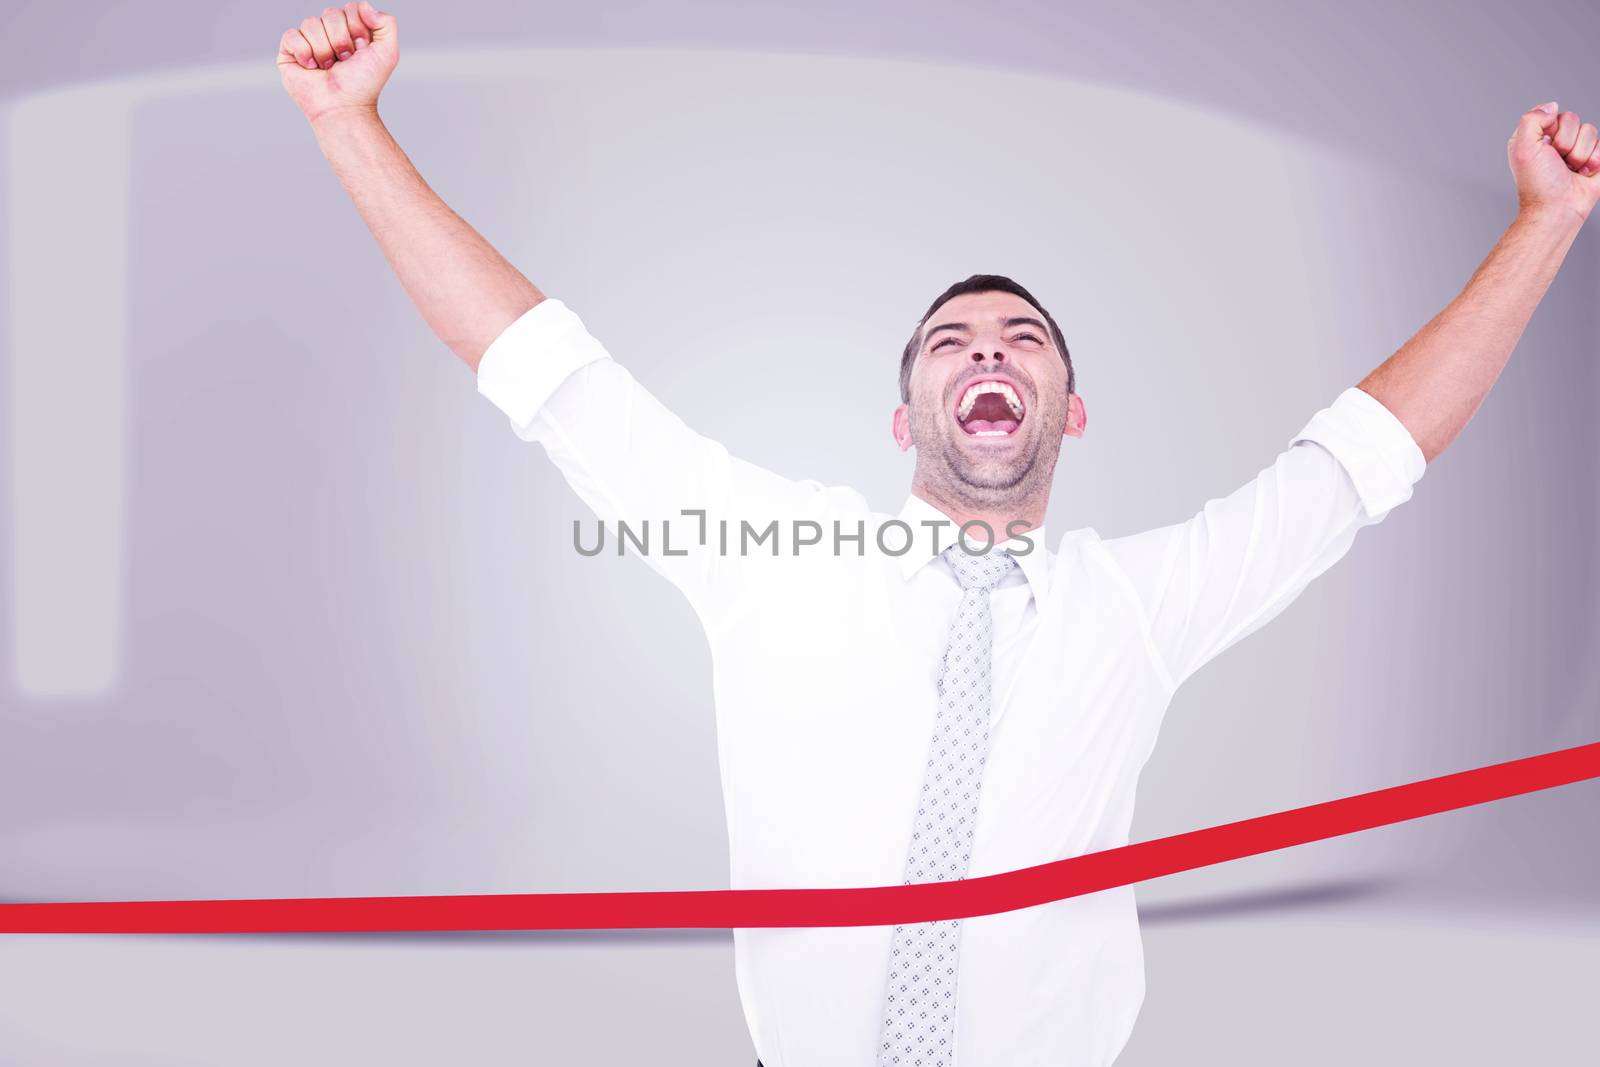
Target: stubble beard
(947,472)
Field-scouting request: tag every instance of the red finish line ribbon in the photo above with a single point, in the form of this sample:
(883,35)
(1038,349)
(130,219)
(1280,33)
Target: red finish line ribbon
(874,906)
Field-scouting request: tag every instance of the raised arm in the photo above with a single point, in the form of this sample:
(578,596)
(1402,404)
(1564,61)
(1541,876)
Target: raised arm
(333,66)
(1439,378)
(624,453)
(1204,584)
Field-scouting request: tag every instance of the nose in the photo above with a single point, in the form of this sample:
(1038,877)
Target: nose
(998,357)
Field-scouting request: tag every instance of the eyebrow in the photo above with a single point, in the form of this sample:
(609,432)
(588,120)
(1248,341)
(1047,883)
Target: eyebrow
(1018,320)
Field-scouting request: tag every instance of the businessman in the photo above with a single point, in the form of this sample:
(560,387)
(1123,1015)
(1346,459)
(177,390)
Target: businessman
(946,692)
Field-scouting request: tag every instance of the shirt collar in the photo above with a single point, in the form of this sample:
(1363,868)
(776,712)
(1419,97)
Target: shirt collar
(1033,555)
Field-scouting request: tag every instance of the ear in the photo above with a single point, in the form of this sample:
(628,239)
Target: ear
(902,426)
(1077,417)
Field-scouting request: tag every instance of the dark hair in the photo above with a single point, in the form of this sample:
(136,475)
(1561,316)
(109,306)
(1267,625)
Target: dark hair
(980,283)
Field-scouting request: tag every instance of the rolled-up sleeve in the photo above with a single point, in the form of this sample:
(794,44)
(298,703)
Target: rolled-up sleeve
(1204,584)
(1372,444)
(531,357)
(631,460)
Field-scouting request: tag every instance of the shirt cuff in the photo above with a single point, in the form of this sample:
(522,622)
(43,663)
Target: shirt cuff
(1374,446)
(532,356)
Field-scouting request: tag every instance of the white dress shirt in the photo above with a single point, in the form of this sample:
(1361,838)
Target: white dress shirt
(824,672)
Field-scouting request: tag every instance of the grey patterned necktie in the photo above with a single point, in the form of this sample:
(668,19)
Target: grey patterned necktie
(919,1008)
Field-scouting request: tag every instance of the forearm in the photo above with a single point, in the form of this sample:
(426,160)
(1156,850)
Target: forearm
(1438,379)
(465,290)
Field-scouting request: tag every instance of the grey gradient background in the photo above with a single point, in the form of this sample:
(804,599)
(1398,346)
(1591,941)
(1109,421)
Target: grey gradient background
(352,652)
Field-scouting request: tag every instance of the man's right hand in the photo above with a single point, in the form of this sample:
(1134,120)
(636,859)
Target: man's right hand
(339,59)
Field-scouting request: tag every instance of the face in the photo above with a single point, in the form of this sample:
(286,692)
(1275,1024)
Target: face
(989,403)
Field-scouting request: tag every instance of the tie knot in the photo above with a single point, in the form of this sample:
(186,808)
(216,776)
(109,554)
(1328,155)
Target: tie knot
(983,571)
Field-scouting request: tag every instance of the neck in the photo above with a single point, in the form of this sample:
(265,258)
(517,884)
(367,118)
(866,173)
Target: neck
(1007,520)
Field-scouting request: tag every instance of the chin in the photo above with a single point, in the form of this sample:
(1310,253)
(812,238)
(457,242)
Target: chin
(993,476)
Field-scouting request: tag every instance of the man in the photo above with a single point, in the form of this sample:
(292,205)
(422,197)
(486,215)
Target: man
(876,675)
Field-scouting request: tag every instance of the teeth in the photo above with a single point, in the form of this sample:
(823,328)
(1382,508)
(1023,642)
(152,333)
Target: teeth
(972,394)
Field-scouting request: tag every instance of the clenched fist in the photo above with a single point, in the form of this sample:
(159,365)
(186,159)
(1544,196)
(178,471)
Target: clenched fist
(339,59)
(1555,160)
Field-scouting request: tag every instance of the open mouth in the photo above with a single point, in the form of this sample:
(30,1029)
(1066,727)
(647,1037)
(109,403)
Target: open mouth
(990,407)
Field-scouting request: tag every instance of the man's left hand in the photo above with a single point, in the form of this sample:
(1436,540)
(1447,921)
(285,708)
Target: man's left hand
(1555,159)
